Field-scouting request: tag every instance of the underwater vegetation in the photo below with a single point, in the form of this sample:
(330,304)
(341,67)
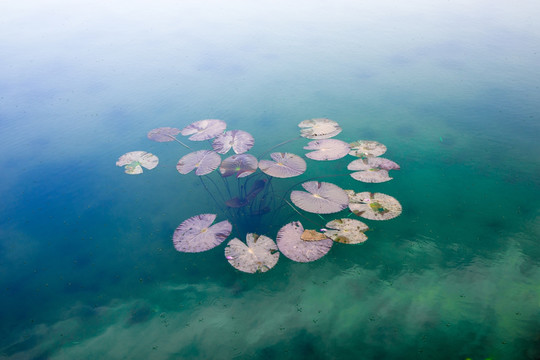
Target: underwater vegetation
(251,194)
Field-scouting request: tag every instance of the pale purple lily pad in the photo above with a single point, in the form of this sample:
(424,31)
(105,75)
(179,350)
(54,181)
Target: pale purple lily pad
(202,161)
(204,129)
(284,165)
(372,169)
(347,231)
(292,246)
(319,128)
(240,141)
(163,134)
(259,255)
(363,148)
(373,206)
(197,233)
(239,165)
(327,149)
(134,162)
(320,198)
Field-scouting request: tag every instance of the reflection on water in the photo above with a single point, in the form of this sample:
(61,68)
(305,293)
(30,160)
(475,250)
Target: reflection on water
(87,265)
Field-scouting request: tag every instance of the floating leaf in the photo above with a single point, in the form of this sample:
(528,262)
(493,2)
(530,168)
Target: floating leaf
(327,149)
(285,165)
(312,235)
(240,141)
(292,246)
(319,128)
(347,231)
(320,198)
(196,235)
(163,134)
(202,161)
(134,161)
(362,148)
(239,165)
(259,255)
(372,169)
(204,129)
(373,206)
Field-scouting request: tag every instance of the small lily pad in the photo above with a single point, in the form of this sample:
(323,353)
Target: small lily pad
(204,129)
(202,161)
(239,165)
(284,165)
(134,162)
(197,233)
(327,149)
(238,140)
(347,231)
(320,198)
(320,128)
(291,245)
(372,169)
(259,255)
(363,148)
(373,206)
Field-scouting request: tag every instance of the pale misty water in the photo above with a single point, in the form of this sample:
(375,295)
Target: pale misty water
(87,265)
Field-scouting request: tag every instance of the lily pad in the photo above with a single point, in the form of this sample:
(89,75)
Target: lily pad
(320,198)
(347,231)
(134,162)
(320,128)
(163,134)
(284,165)
(292,246)
(202,161)
(372,169)
(373,206)
(363,148)
(259,255)
(204,129)
(197,233)
(240,141)
(327,149)
(239,165)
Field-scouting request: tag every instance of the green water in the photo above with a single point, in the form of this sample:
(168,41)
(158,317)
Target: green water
(87,265)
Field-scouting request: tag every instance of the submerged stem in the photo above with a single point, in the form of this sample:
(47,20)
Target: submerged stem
(178,141)
(278,145)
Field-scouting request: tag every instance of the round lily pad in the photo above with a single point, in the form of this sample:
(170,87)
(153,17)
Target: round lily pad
(327,149)
(197,233)
(259,255)
(202,161)
(239,165)
(284,165)
(320,128)
(347,231)
(134,161)
(292,246)
(362,148)
(372,169)
(373,206)
(320,198)
(204,129)
(163,134)
(240,141)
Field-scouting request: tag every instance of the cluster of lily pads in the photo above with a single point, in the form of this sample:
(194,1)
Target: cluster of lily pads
(260,253)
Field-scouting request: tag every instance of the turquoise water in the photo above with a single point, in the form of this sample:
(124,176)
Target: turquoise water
(87,265)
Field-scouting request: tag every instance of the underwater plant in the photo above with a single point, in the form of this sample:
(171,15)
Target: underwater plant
(250,196)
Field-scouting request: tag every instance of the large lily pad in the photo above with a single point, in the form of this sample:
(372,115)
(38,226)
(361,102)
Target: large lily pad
(284,165)
(373,206)
(320,198)
(372,169)
(134,162)
(197,233)
(319,128)
(259,255)
(202,161)
(292,246)
(347,231)
(204,129)
(327,149)
(240,141)
(239,165)
(363,148)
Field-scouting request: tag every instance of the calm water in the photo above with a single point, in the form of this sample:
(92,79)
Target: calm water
(87,265)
